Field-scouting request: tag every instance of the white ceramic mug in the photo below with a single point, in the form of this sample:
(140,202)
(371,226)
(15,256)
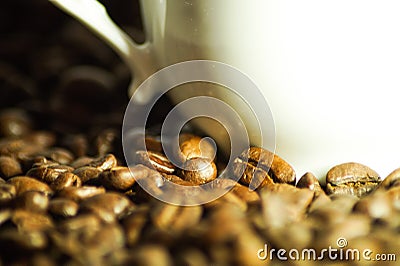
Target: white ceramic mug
(330,70)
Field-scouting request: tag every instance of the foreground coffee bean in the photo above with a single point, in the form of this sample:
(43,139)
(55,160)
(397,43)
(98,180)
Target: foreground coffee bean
(351,178)
(48,173)
(7,193)
(87,173)
(390,180)
(175,218)
(155,160)
(33,201)
(283,204)
(80,193)
(118,178)
(105,162)
(66,180)
(198,171)
(28,221)
(107,206)
(308,180)
(192,146)
(264,166)
(63,207)
(9,167)
(25,183)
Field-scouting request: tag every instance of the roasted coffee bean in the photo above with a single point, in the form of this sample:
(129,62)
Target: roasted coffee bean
(66,180)
(118,178)
(283,204)
(27,241)
(63,207)
(41,138)
(107,206)
(105,162)
(351,178)
(134,223)
(14,123)
(25,183)
(155,160)
(9,167)
(87,173)
(377,206)
(59,155)
(82,161)
(81,223)
(264,166)
(243,192)
(28,221)
(105,141)
(150,255)
(308,180)
(80,193)
(192,146)
(33,201)
(7,193)
(78,144)
(176,218)
(48,173)
(153,144)
(198,171)
(390,180)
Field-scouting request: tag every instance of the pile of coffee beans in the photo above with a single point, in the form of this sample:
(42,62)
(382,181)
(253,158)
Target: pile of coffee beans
(67,196)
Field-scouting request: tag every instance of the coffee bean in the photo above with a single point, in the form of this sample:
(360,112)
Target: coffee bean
(150,255)
(109,239)
(25,183)
(82,161)
(107,206)
(198,171)
(80,193)
(14,123)
(390,180)
(48,173)
(192,257)
(377,206)
(192,146)
(7,193)
(9,167)
(308,180)
(63,207)
(243,192)
(134,223)
(351,178)
(118,178)
(105,162)
(66,180)
(22,241)
(59,155)
(176,218)
(105,141)
(283,204)
(33,201)
(153,144)
(28,221)
(87,173)
(81,223)
(41,138)
(264,166)
(155,160)
(78,144)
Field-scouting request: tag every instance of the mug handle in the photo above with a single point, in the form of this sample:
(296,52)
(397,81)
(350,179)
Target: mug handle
(93,15)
